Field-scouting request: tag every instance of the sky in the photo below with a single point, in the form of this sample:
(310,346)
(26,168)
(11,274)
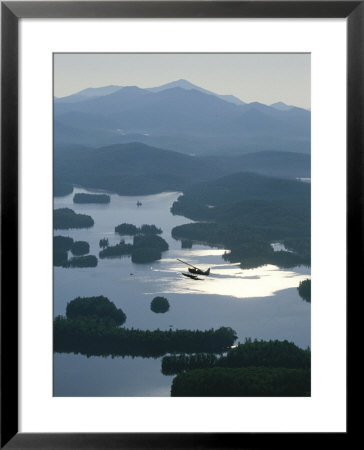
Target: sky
(265,78)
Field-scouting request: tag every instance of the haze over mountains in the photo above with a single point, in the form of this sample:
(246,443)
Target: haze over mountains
(139,169)
(179,116)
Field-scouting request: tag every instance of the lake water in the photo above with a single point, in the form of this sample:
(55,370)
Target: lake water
(260,303)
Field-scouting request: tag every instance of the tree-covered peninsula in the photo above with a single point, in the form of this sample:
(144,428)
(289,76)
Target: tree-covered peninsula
(255,368)
(245,213)
(251,353)
(304,290)
(66,218)
(91,198)
(242,382)
(96,337)
(61,189)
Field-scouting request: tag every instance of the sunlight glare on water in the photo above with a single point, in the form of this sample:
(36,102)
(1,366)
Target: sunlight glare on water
(226,279)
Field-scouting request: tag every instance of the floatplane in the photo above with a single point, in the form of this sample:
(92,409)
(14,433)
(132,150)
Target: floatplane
(194,271)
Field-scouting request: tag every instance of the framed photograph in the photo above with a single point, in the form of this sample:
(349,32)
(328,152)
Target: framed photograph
(172,173)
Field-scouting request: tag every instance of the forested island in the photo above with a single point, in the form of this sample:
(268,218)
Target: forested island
(128,229)
(245,212)
(91,198)
(66,218)
(81,261)
(255,368)
(145,248)
(159,305)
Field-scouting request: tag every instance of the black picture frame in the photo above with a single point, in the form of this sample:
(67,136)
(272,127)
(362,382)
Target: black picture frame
(11,12)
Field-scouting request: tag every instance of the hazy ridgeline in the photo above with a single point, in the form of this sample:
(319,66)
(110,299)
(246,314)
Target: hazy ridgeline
(182,117)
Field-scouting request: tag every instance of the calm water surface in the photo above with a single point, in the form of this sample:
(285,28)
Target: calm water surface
(260,303)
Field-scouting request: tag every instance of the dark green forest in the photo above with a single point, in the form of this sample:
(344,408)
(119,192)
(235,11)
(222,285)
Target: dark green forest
(242,382)
(66,218)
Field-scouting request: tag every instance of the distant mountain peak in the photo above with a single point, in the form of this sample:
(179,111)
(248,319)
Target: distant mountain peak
(281,106)
(187,85)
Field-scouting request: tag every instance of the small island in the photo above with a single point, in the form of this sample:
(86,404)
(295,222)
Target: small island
(81,261)
(115,251)
(159,305)
(91,198)
(65,218)
(128,229)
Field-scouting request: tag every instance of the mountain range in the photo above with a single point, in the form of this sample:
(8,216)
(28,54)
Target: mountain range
(179,116)
(138,169)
